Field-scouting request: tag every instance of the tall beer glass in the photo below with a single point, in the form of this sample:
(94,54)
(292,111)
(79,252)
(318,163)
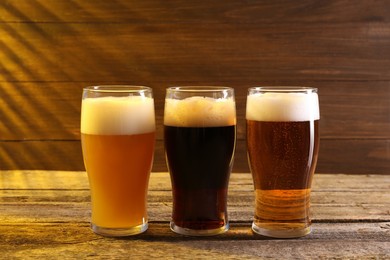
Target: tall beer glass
(200,138)
(117,136)
(282,141)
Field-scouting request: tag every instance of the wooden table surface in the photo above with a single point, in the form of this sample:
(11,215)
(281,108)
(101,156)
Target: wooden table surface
(45,214)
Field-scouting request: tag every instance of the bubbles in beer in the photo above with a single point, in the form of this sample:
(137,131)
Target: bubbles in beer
(282,107)
(117,115)
(200,112)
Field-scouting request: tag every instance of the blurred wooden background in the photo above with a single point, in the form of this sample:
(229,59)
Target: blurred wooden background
(50,50)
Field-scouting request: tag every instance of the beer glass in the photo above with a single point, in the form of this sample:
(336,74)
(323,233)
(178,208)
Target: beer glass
(282,142)
(117,137)
(200,138)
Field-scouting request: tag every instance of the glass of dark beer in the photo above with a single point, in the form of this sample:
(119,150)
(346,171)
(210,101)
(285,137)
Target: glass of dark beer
(200,139)
(282,142)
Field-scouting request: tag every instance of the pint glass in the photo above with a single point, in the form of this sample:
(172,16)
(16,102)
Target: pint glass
(200,138)
(282,142)
(117,137)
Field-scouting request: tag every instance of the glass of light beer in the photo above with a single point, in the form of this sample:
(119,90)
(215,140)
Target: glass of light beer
(200,139)
(282,142)
(117,137)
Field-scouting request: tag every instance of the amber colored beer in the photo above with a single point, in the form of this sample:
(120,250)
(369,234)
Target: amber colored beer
(118,136)
(200,138)
(283,143)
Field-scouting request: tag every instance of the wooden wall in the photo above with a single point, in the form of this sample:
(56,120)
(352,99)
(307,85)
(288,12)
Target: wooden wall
(50,50)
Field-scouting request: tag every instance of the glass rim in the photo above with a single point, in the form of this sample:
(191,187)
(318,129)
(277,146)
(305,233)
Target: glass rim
(200,89)
(117,88)
(284,89)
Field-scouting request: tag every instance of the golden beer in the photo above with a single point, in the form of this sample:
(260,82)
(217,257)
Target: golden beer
(118,198)
(118,136)
(283,142)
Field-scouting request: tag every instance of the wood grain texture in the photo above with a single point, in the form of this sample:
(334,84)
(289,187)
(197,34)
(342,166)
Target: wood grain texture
(177,11)
(64,196)
(50,50)
(185,53)
(351,219)
(339,241)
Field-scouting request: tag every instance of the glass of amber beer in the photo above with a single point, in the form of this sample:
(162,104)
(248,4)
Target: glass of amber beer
(282,142)
(117,137)
(200,138)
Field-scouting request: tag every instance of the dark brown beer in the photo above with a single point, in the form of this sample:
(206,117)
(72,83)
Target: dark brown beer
(199,161)
(200,138)
(282,142)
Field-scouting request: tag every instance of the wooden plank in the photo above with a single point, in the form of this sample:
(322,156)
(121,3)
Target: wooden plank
(368,240)
(177,51)
(41,154)
(40,111)
(44,207)
(45,180)
(335,156)
(62,11)
(354,156)
(159,181)
(236,198)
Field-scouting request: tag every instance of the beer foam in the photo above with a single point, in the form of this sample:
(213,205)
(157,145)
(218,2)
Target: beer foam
(200,111)
(282,107)
(117,115)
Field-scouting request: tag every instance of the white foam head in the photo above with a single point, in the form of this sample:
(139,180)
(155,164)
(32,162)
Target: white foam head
(282,107)
(117,115)
(200,111)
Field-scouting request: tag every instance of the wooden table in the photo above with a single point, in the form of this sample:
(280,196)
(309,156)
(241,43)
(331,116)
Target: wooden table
(45,214)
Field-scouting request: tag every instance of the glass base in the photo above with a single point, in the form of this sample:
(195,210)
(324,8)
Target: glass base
(119,232)
(198,232)
(281,231)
